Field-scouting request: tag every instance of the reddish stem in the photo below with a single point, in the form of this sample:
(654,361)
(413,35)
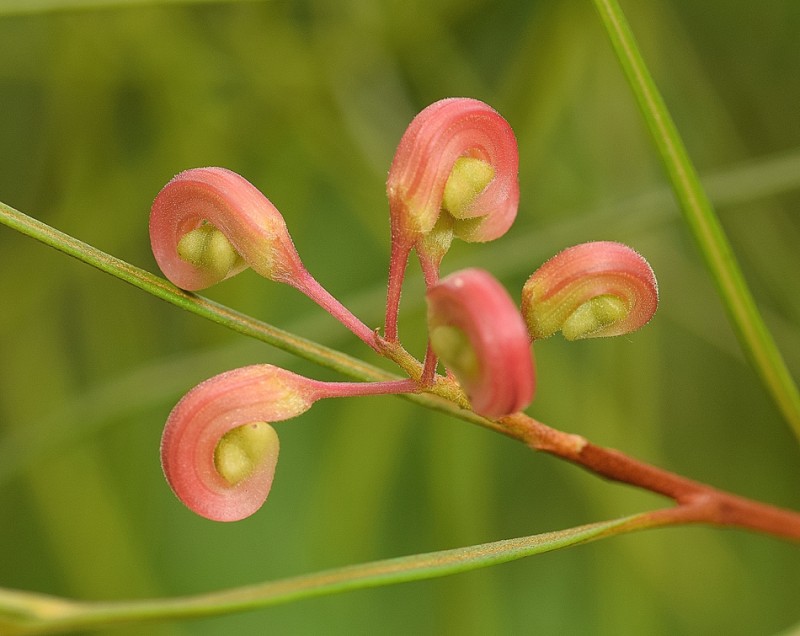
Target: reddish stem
(351,389)
(397,271)
(697,502)
(308,285)
(430,267)
(430,271)
(429,367)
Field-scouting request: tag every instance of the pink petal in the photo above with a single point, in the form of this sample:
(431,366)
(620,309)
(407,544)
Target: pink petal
(474,302)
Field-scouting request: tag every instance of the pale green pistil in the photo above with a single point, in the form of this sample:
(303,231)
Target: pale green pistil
(242,449)
(469,178)
(452,345)
(208,248)
(593,316)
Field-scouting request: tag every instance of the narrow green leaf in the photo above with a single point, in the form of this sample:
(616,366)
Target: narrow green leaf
(699,214)
(30,613)
(242,323)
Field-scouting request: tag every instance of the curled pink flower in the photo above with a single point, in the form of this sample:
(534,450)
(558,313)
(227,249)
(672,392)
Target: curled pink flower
(485,190)
(219,450)
(208,224)
(454,173)
(480,336)
(590,290)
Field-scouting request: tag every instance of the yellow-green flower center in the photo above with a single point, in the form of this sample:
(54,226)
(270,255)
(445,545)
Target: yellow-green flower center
(241,450)
(593,316)
(468,179)
(453,347)
(208,248)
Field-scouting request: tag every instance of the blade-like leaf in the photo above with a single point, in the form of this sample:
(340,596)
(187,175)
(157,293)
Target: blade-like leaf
(754,336)
(28,613)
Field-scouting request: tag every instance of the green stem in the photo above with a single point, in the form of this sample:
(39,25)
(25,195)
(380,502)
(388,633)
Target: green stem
(31,613)
(755,338)
(239,322)
(165,290)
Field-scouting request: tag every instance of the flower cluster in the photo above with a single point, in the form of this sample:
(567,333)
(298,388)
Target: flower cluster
(454,174)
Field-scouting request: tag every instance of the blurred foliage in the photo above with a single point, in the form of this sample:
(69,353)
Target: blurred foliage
(308,99)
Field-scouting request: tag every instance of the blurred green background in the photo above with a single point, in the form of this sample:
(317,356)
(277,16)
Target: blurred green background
(100,108)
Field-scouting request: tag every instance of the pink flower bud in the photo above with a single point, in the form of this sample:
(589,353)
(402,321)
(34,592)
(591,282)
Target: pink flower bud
(208,224)
(479,334)
(218,450)
(442,134)
(454,173)
(590,290)
(250,396)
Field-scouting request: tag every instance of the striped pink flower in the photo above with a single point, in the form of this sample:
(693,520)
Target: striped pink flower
(590,290)
(208,224)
